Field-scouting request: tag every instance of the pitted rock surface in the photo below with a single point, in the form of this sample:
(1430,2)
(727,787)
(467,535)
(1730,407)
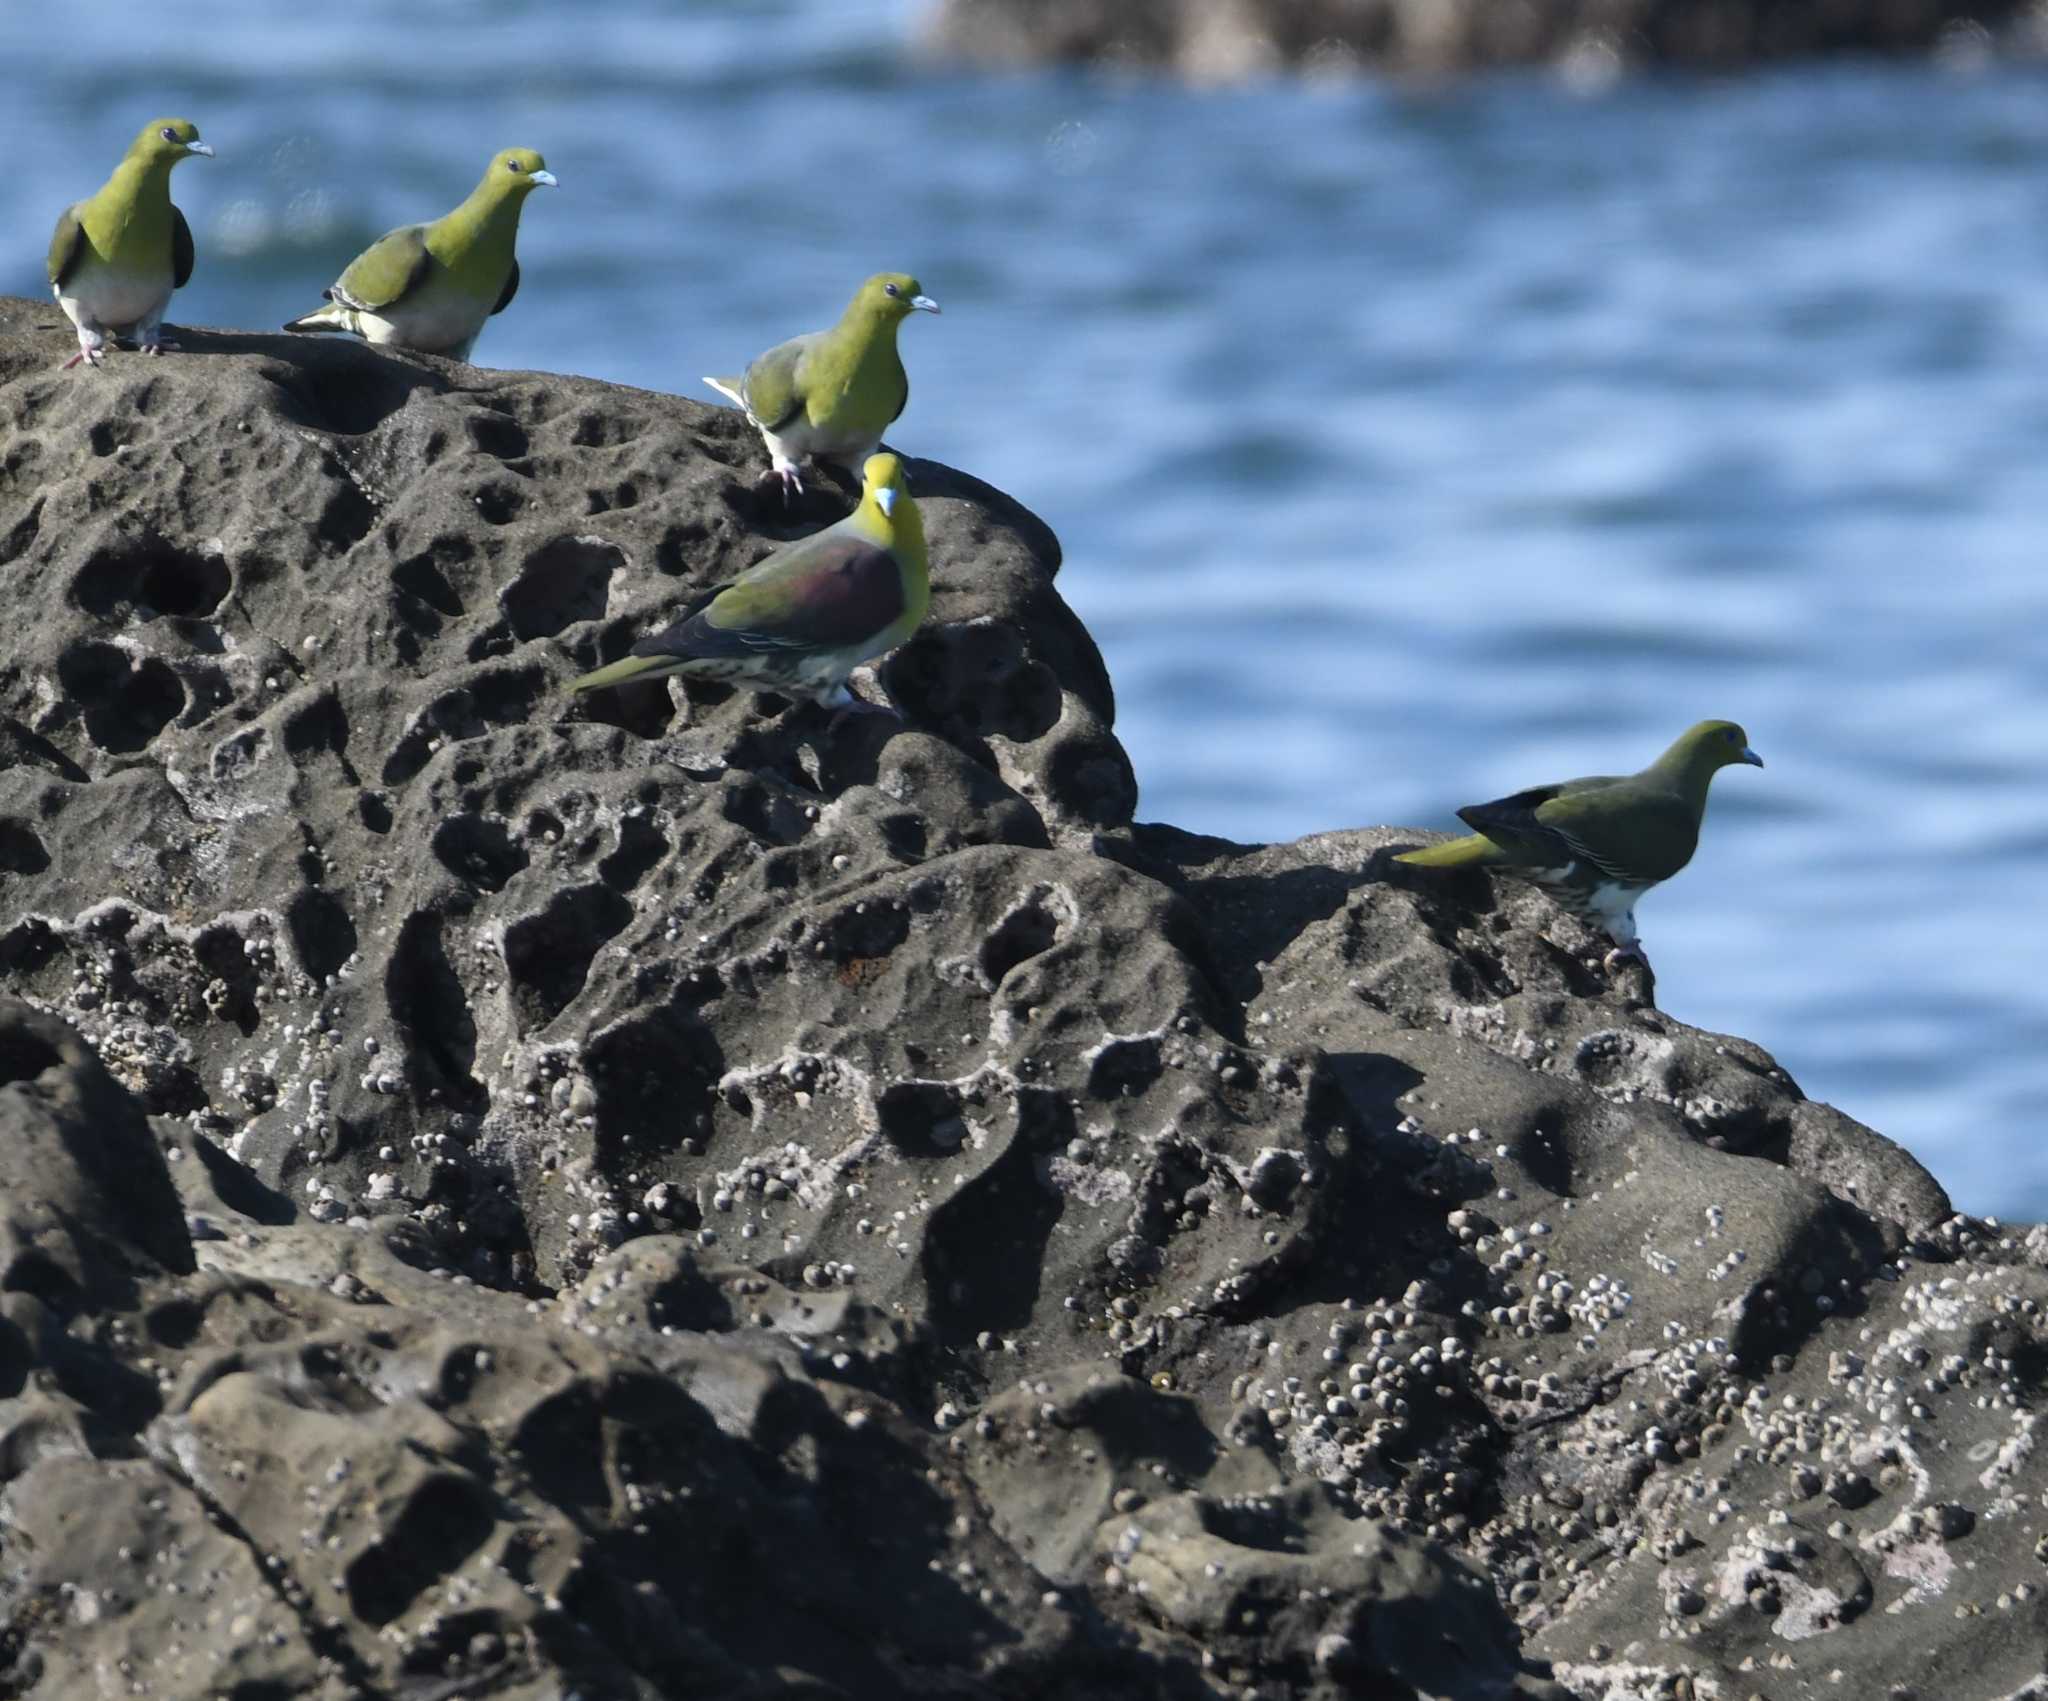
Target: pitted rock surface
(506,1196)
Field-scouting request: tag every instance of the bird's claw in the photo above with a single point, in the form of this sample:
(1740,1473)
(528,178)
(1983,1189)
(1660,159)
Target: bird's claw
(1624,954)
(160,345)
(91,356)
(792,483)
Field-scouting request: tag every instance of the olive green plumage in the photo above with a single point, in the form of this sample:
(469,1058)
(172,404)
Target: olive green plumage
(802,620)
(116,257)
(1598,844)
(432,286)
(833,393)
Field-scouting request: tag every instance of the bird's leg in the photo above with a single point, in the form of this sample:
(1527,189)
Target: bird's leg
(149,335)
(92,342)
(845,702)
(1629,953)
(791,477)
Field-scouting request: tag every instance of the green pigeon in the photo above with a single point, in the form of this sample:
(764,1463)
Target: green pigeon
(1597,845)
(432,286)
(832,393)
(115,258)
(800,621)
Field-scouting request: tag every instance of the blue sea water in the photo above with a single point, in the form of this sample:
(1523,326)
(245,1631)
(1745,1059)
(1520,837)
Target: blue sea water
(1408,445)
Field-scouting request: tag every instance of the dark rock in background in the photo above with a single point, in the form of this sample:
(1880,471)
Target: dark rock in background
(1220,40)
(504,1196)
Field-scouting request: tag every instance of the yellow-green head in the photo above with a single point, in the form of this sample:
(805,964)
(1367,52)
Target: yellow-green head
(885,496)
(893,295)
(516,171)
(1702,751)
(165,141)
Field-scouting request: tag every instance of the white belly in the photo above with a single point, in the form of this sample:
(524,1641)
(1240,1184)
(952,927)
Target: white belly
(114,302)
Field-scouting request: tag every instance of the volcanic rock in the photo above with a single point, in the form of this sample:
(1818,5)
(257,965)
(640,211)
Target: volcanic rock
(506,1196)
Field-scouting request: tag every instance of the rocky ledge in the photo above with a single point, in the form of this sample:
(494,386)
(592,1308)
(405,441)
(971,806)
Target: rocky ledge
(503,1197)
(1221,40)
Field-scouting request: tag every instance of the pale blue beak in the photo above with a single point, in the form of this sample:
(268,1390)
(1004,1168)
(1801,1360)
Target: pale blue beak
(199,148)
(546,179)
(924,304)
(885,499)
(1751,757)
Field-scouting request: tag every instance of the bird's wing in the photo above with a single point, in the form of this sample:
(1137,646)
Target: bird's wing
(774,386)
(1630,832)
(511,289)
(66,245)
(831,592)
(1573,821)
(386,272)
(181,250)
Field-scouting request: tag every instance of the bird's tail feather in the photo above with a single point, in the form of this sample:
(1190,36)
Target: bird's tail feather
(332,317)
(633,667)
(732,388)
(1472,851)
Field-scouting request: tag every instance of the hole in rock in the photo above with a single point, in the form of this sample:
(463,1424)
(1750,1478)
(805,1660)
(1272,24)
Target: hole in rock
(500,503)
(427,998)
(323,936)
(1125,1068)
(321,725)
(603,431)
(21,851)
(641,846)
(443,1522)
(479,851)
(864,933)
(126,703)
(345,519)
(175,1323)
(905,836)
(975,678)
(344,389)
(626,495)
(39,1274)
(766,813)
(983,1254)
(565,580)
(562,1446)
(678,546)
(656,1075)
(921,1118)
(222,956)
(1093,778)
(26,947)
(421,577)
(145,576)
(15,540)
(1026,932)
(495,435)
(548,955)
(24,1056)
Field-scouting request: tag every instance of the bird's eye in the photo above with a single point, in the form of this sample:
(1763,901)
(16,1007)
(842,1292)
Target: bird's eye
(1729,735)
(891,289)
(168,134)
(514,165)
